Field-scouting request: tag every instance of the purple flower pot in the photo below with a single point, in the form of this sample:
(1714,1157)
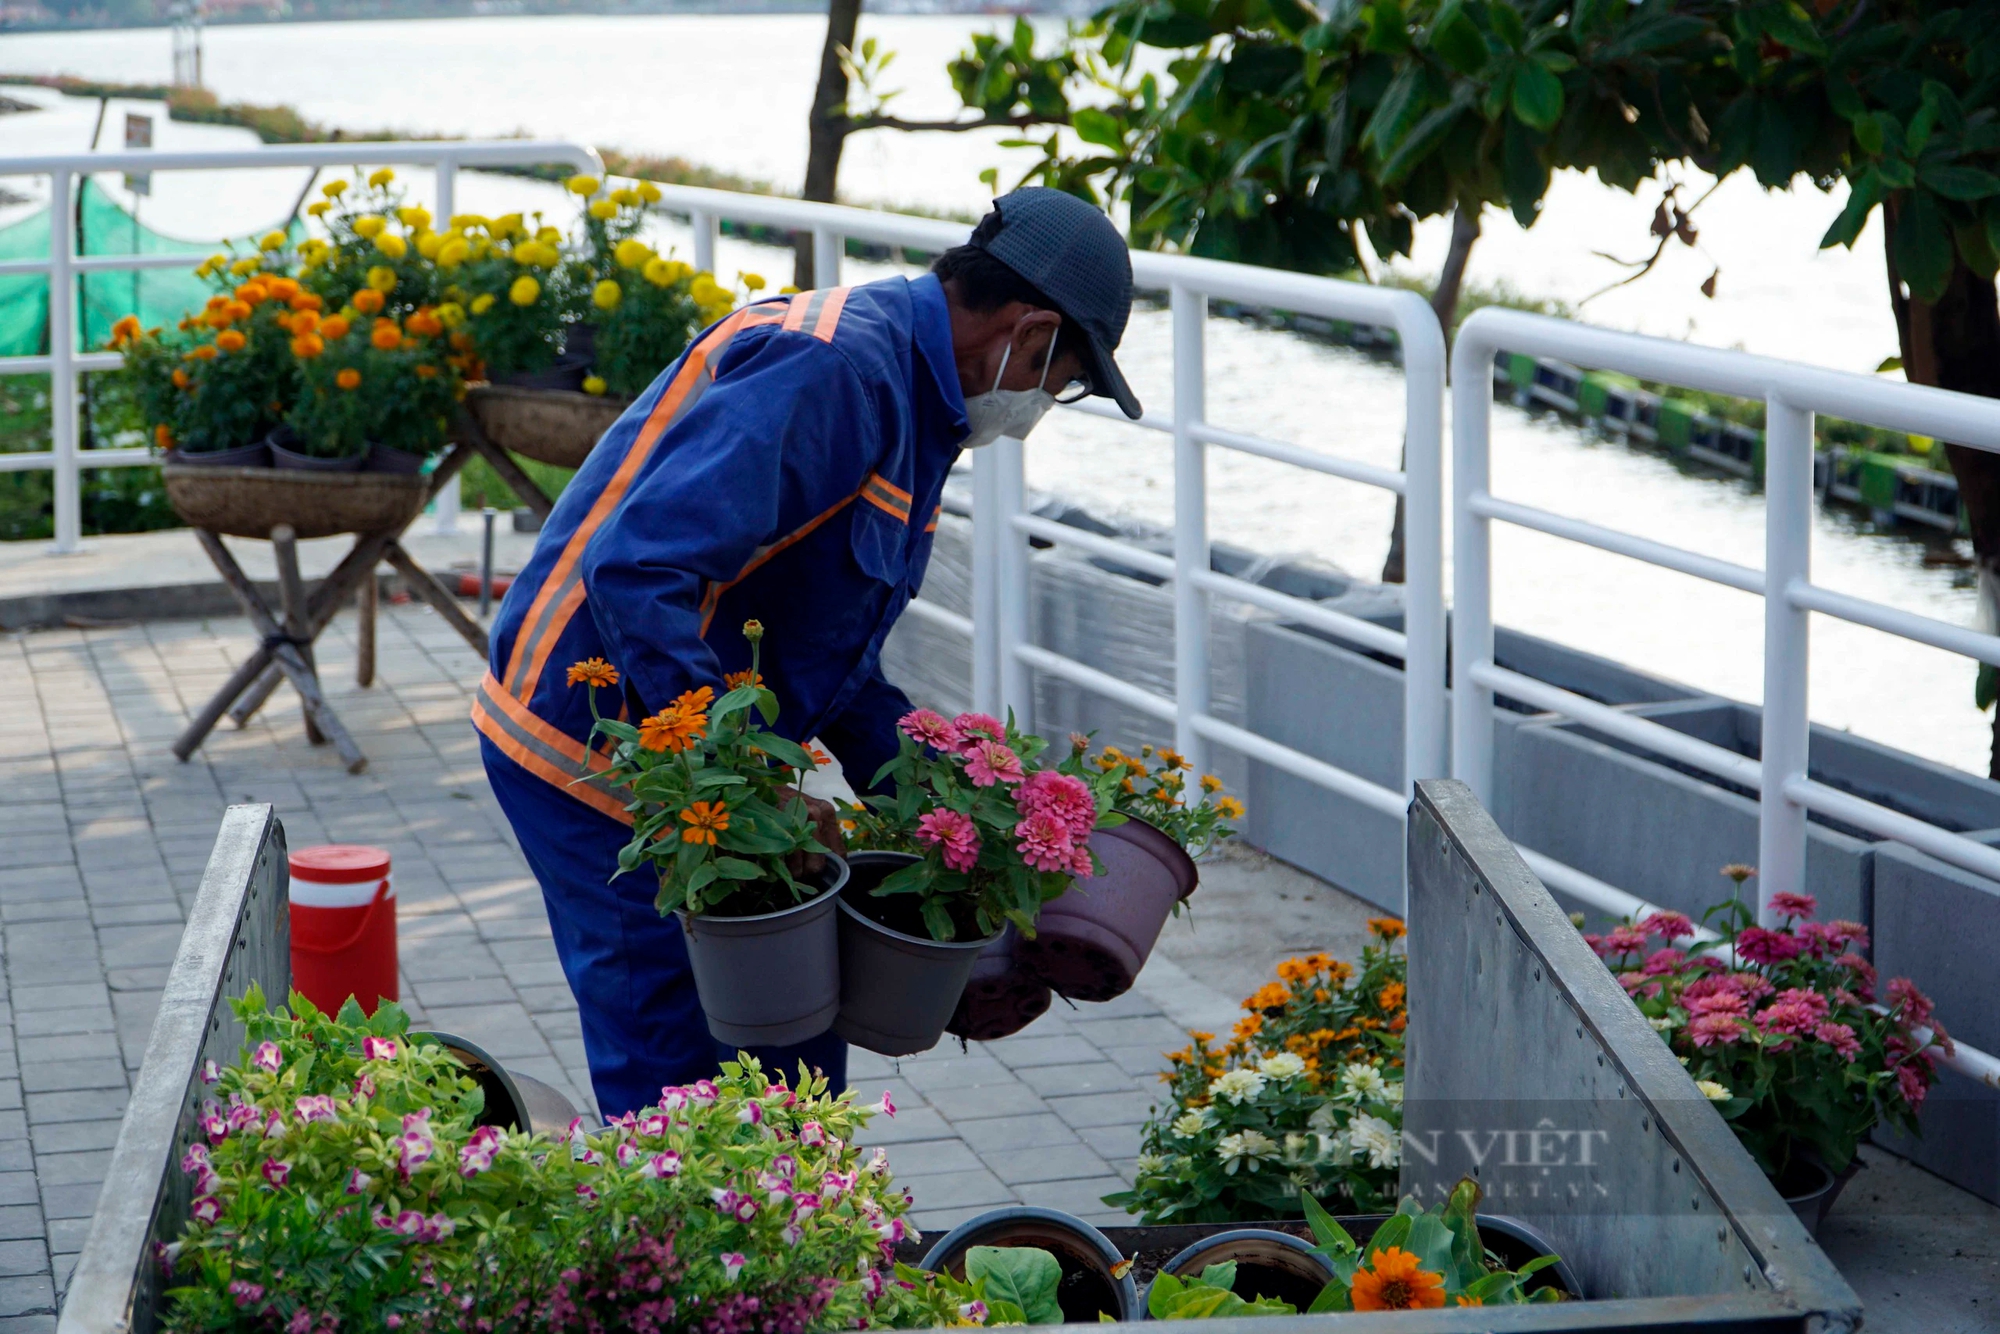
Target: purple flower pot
(1091,943)
(1001,997)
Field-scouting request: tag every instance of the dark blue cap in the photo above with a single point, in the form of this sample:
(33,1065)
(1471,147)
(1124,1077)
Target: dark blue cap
(1075,257)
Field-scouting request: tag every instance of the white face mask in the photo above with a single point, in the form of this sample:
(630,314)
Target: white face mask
(1014,412)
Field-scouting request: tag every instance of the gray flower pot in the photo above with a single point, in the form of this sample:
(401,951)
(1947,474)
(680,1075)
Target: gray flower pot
(1096,1280)
(1268,1264)
(897,990)
(1092,941)
(773,979)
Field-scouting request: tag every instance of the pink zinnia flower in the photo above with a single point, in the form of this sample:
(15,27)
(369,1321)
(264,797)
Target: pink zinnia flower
(315,1107)
(208,1209)
(1080,864)
(378,1049)
(1787,1018)
(1664,961)
(1912,1085)
(953,834)
(1915,1007)
(479,1151)
(928,727)
(277,1173)
(1839,1037)
(989,762)
(1761,945)
(1715,1002)
(1787,904)
(1667,925)
(268,1058)
(1625,940)
(1848,933)
(1045,843)
(1709,1029)
(1807,997)
(661,1166)
(1064,796)
(972,726)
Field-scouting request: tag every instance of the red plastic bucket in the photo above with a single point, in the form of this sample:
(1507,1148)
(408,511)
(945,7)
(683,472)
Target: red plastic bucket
(343,926)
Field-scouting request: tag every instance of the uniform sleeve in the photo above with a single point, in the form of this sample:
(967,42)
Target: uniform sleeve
(863,736)
(772,434)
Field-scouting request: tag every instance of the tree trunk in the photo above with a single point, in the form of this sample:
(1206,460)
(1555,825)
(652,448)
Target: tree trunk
(1444,304)
(826,126)
(1954,343)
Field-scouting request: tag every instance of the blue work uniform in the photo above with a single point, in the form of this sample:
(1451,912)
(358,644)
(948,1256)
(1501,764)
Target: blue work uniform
(786,468)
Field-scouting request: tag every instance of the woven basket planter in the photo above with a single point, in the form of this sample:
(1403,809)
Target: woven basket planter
(546,425)
(249,502)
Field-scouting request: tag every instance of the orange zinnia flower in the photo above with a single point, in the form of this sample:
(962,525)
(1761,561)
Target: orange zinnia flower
(819,757)
(593,672)
(672,730)
(1267,997)
(1396,1283)
(1388,928)
(696,700)
(1469,1301)
(1391,996)
(1248,1027)
(705,819)
(746,677)
(163,437)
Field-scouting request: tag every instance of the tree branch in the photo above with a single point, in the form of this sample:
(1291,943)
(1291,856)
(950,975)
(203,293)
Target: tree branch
(856,124)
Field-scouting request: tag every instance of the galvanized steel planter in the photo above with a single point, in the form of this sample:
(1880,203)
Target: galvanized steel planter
(238,933)
(1530,1070)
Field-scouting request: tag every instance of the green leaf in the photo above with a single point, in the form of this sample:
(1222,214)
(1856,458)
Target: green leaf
(1160,1297)
(735,868)
(937,920)
(1330,1235)
(1023,1275)
(1456,39)
(1332,1297)
(1097,127)
(1393,1232)
(1004,1313)
(1221,1275)
(1961,183)
(1862,196)
(1975,247)
(389,1019)
(1537,1265)
(612,727)
(1432,1243)
(350,1014)
(1538,96)
(1791,26)
(1417,145)
(780,749)
(1923,246)
(1526,177)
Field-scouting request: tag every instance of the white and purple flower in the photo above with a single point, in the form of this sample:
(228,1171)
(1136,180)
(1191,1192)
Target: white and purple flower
(378,1049)
(732,1264)
(479,1151)
(661,1166)
(358,1182)
(315,1107)
(268,1058)
(207,1209)
(277,1173)
(812,1135)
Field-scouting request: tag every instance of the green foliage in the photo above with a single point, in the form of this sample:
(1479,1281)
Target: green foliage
(1209,1295)
(1152,786)
(1421,1258)
(1018,1283)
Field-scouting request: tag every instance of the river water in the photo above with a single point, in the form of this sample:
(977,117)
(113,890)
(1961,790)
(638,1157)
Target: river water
(732,92)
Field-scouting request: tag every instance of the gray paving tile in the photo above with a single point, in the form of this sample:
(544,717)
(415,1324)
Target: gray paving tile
(1119,1141)
(928,1157)
(69,1169)
(74,1201)
(986,1101)
(921,1123)
(952,1072)
(58,1076)
(1019,1053)
(27,1295)
(18,1188)
(1155,1031)
(1045,1162)
(1015,1132)
(21,1221)
(23,1257)
(945,1190)
(86,1104)
(75,1136)
(1084,1198)
(1099,1076)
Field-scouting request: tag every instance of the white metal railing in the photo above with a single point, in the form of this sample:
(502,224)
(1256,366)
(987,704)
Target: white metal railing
(65,362)
(1791,394)
(1005,656)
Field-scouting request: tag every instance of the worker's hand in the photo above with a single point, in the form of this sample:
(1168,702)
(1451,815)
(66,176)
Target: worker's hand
(826,828)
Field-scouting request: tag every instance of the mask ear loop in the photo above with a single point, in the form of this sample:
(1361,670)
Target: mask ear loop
(1049,359)
(1001,374)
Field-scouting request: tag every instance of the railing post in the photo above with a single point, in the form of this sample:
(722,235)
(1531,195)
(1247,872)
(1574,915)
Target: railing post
(1191,556)
(449,499)
(1472,556)
(986,535)
(704,226)
(447,191)
(1424,697)
(1788,518)
(1012,593)
(827,247)
(62,370)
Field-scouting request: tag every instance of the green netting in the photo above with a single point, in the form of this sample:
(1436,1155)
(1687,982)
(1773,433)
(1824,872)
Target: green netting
(158,297)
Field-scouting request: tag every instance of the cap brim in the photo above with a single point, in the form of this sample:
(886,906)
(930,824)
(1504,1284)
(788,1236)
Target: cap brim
(1107,381)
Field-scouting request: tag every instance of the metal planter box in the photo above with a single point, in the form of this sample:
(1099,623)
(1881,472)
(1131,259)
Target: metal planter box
(239,933)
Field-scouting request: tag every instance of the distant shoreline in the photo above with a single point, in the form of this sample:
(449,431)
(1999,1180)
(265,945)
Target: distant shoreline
(465,9)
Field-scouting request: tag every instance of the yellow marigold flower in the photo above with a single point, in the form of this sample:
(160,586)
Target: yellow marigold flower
(606,295)
(632,253)
(1231,808)
(392,245)
(386,337)
(465,222)
(334,189)
(414,216)
(789,289)
(594,384)
(593,672)
(272,241)
(753,281)
(369,225)
(306,346)
(649,192)
(451,314)
(244,267)
(582,185)
(318,208)
(603,210)
(1388,928)
(624,197)
(349,378)
(453,253)
(705,819)
(1210,783)
(705,290)
(506,224)
(524,291)
(380,177)
(482,303)
(429,244)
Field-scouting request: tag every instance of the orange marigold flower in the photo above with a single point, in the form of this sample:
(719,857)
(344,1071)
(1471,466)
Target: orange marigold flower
(593,672)
(1391,996)
(181,380)
(349,378)
(305,301)
(307,346)
(387,337)
(1267,997)
(367,301)
(206,352)
(282,289)
(1248,1027)
(335,326)
(231,340)
(1394,1280)
(238,310)
(305,322)
(705,819)
(461,341)
(1322,995)
(252,293)
(1389,928)
(426,371)
(218,317)
(163,437)
(126,330)
(746,677)
(424,323)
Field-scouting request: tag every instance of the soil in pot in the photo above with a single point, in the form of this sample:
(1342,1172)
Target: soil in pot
(1087,1289)
(770,979)
(898,987)
(1091,942)
(1001,997)
(1268,1264)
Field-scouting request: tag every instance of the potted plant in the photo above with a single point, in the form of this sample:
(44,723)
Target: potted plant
(375,394)
(992,837)
(1245,1271)
(1080,1273)
(343,1177)
(1785,1033)
(719,819)
(1420,1259)
(1306,1097)
(1093,941)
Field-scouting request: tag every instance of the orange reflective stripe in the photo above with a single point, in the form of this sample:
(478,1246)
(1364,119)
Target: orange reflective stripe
(829,315)
(542,750)
(931,527)
(562,592)
(795,311)
(710,600)
(891,499)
